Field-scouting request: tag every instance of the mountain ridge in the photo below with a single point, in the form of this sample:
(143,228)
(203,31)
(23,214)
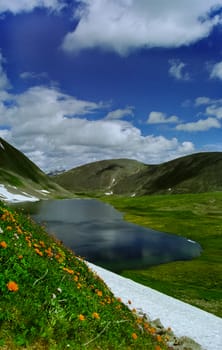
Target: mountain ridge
(194,173)
(198,172)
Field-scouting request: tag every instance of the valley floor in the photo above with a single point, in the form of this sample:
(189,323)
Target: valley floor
(184,319)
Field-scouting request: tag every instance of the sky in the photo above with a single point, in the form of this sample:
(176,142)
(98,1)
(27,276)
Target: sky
(87,80)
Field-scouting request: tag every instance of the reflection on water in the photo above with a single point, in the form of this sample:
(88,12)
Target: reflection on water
(97,232)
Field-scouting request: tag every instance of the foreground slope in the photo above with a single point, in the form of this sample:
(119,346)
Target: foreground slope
(50,299)
(201,172)
(18,174)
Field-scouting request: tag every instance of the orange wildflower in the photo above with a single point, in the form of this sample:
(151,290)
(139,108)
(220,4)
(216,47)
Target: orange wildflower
(20,257)
(38,252)
(42,244)
(36,245)
(76,278)
(95,315)
(159,338)
(49,252)
(157,347)
(99,293)
(9,228)
(134,336)
(81,317)
(12,286)
(71,272)
(19,231)
(3,244)
(152,330)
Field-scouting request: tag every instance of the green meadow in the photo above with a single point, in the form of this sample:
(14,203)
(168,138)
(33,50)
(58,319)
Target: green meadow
(50,299)
(195,216)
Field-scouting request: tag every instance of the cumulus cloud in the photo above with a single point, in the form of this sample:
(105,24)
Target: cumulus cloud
(216,71)
(18,6)
(53,129)
(203,100)
(126,25)
(200,125)
(4,81)
(120,113)
(176,70)
(213,106)
(160,118)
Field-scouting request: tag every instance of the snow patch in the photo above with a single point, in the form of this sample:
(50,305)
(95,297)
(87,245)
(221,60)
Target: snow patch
(2,146)
(109,193)
(190,240)
(44,191)
(7,196)
(183,318)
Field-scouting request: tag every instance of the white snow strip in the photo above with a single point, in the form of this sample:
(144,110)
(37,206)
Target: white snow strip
(7,196)
(2,146)
(182,318)
(44,191)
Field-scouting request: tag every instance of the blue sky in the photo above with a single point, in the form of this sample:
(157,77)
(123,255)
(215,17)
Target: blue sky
(87,80)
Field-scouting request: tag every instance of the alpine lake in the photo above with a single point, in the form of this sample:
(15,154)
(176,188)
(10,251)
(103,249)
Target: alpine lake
(97,232)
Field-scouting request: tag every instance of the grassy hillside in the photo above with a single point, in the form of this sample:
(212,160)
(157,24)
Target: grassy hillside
(201,172)
(195,216)
(50,299)
(99,176)
(19,173)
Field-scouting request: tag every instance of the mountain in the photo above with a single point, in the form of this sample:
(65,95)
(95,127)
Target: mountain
(200,172)
(19,174)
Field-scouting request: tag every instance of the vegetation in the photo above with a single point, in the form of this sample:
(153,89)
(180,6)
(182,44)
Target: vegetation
(195,173)
(50,299)
(195,216)
(18,174)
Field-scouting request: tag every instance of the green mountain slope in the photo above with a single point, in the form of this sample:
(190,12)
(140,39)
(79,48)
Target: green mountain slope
(200,172)
(18,173)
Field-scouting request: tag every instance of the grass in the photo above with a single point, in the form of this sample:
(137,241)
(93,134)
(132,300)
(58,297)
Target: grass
(195,216)
(50,299)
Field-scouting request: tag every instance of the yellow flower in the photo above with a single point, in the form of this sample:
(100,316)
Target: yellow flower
(134,336)
(71,272)
(12,286)
(81,317)
(99,293)
(95,315)
(38,252)
(159,338)
(3,244)
(157,347)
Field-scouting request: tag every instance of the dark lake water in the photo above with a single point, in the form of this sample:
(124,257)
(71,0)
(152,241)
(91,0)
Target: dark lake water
(97,232)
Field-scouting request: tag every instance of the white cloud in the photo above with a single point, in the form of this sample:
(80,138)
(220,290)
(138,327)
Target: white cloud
(203,100)
(216,71)
(120,113)
(176,70)
(18,6)
(52,129)
(213,106)
(215,110)
(200,125)
(33,75)
(4,82)
(160,118)
(126,25)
